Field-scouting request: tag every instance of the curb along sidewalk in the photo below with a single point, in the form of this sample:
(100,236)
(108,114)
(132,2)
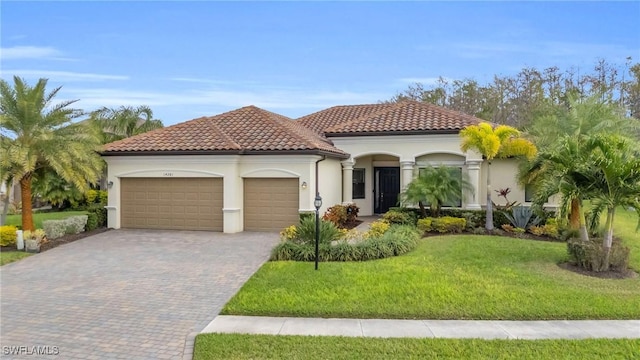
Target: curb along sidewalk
(458,329)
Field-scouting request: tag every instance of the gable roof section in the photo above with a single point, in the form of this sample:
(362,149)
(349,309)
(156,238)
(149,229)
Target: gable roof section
(404,117)
(248,130)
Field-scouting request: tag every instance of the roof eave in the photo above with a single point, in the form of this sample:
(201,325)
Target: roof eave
(391,133)
(226,152)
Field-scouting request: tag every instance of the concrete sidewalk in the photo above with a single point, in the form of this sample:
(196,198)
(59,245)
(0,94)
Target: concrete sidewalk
(482,329)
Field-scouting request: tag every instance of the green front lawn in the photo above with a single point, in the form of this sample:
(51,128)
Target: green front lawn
(38,218)
(234,346)
(11,256)
(446,277)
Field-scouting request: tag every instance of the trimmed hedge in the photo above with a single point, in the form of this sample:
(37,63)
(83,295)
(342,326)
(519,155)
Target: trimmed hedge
(445,224)
(58,228)
(397,240)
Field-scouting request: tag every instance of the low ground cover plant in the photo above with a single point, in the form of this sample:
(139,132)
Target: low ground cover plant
(380,241)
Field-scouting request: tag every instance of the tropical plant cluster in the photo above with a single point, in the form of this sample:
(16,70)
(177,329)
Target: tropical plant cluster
(382,240)
(51,155)
(8,235)
(71,225)
(342,215)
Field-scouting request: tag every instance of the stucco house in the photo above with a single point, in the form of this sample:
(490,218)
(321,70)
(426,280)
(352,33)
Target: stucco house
(253,170)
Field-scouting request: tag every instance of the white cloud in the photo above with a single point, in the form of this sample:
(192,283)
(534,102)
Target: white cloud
(272,98)
(60,76)
(429,81)
(28,52)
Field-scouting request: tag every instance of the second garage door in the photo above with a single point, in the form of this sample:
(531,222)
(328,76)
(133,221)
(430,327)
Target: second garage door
(171,203)
(270,204)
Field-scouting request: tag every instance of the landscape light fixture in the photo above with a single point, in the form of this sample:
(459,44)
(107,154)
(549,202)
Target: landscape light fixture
(317,202)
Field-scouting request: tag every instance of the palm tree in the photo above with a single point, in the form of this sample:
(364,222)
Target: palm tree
(583,118)
(435,186)
(499,142)
(561,168)
(616,179)
(38,134)
(125,121)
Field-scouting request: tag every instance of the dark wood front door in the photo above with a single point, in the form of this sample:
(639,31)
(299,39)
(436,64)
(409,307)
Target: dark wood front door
(386,188)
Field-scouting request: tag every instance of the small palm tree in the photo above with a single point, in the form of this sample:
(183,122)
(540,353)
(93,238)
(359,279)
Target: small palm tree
(125,121)
(614,179)
(499,142)
(435,186)
(38,134)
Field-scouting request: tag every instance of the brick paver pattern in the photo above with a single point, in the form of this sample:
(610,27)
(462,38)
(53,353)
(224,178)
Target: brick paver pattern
(125,294)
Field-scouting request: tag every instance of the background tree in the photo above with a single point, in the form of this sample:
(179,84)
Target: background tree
(39,134)
(435,186)
(501,142)
(124,122)
(516,100)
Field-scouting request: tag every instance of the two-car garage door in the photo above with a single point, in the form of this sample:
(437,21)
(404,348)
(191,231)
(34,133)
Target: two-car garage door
(171,203)
(270,204)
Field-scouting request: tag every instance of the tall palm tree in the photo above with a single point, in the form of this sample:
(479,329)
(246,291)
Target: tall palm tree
(125,121)
(435,186)
(499,142)
(39,134)
(616,179)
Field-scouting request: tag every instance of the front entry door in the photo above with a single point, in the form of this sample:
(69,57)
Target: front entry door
(386,188)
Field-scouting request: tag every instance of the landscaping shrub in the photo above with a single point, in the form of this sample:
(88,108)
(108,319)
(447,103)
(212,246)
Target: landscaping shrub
(101,214)
(306,232)
(396,241)
(376,229)
(400,217)
(54,228)
(424,225)
(289,233)
(337,214)
(591,255)
(76,224)
(8,235)
(307,215)
(448,224)
(92,222)
(341,215)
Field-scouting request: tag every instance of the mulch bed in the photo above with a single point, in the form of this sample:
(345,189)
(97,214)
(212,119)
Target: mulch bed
(59,241)
(352,225)
(69,238)
(629,274)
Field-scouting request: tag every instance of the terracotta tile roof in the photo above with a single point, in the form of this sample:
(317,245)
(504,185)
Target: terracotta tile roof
(325,119)
(379,119)
(248,130)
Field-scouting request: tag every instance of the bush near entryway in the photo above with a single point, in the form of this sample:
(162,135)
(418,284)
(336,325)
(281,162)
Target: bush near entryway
(396,241)
(341,215)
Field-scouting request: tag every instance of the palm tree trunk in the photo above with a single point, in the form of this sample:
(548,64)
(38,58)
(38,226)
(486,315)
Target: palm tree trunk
(582,225)
(423,212)
(489,222)
(574,215)
(608,236)
(27,211)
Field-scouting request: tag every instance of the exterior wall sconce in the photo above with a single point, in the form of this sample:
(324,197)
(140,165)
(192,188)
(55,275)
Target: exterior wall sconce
(304,185)
(110,184)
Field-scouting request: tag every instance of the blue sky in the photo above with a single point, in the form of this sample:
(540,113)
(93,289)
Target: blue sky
(189,59)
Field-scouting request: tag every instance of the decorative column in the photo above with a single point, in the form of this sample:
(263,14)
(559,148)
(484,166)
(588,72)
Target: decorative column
(407,172)
(473,168)
(347,181)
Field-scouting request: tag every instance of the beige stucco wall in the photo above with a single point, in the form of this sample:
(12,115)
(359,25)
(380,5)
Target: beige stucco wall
(232,168)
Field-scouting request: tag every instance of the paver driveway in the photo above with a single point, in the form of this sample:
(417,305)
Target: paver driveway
(125,294)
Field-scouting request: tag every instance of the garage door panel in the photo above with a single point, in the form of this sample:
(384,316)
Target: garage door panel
(270,204)
(175,203)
